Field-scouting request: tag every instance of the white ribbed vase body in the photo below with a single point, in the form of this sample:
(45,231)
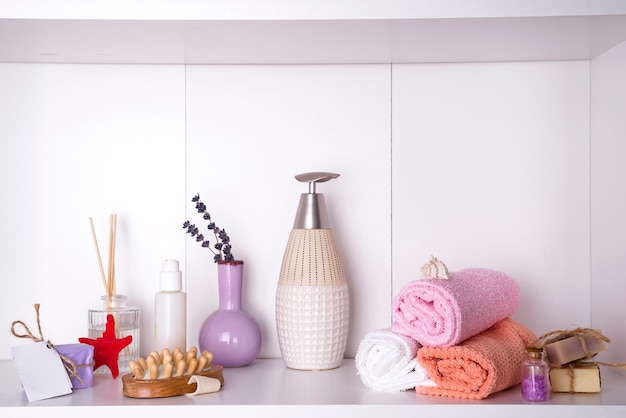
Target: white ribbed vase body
(312,302)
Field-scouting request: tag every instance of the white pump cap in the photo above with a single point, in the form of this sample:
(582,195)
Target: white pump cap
(171,277)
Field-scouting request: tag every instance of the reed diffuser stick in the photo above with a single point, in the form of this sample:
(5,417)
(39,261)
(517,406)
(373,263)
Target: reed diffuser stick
(107,280)
(95,242)
(112,237)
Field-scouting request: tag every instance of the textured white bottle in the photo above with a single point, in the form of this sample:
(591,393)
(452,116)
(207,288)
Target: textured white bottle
(312,302)
(170,310)
(312,298)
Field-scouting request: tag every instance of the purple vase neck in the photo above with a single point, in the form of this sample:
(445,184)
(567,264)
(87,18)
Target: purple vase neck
(230,262)
(230,281)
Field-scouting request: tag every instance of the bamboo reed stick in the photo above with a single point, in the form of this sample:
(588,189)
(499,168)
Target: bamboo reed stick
(95,241)
(112,257)
(110,265)
(108,280)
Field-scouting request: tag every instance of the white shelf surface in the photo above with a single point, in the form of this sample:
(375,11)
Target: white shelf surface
(305,32)
(268,386)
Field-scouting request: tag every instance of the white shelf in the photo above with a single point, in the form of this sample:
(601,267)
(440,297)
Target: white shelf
(306,32)
(277,32)
(267,386)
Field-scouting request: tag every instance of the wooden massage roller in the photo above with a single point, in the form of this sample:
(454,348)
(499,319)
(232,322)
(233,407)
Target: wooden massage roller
(174,364)
(169,373)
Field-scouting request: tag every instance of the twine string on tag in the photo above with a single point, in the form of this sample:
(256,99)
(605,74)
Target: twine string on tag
(579,333)
(29,334)
(70,366)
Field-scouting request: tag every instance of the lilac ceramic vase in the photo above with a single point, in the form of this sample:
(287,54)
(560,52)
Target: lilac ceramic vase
(230,333)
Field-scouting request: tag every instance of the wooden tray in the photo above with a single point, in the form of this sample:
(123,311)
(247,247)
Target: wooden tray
(163,388)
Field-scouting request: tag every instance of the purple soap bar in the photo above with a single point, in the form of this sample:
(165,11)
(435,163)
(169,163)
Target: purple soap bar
(82,356)
(570,349)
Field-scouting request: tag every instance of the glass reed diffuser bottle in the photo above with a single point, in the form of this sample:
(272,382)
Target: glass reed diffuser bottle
(126,318)
(126,323)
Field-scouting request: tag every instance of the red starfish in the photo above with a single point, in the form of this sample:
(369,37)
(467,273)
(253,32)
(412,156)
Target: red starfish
(107,348)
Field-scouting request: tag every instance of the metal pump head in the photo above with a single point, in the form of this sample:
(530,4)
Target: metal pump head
(312,207)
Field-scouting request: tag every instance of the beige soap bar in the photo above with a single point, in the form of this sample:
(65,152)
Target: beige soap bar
(586,379)
(571,349)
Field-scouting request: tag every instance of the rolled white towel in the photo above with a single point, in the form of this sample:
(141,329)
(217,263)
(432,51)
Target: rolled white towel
(386,362)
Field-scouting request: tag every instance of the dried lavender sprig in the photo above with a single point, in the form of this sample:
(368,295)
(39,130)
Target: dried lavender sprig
(222,245)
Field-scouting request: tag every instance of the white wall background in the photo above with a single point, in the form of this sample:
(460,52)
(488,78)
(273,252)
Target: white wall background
(81,141)
(491,169)
(480,164)
(608,197)
(250,130)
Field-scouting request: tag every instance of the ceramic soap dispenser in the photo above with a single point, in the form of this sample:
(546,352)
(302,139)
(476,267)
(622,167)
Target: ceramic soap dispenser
(312,300)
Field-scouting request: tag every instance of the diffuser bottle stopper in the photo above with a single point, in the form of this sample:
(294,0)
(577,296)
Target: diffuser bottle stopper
(312,300)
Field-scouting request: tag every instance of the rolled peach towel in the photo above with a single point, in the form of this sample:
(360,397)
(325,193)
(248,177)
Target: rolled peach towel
(444,312)
(481,365)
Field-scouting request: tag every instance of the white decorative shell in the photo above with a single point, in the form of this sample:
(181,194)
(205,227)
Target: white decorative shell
(435,269)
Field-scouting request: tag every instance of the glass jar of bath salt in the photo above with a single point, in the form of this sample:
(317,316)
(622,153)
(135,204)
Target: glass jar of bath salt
(535,376)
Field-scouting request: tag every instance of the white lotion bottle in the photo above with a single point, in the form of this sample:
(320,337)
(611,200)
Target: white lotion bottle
(170,310)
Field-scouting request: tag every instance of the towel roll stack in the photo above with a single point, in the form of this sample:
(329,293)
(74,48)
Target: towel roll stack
(471,347)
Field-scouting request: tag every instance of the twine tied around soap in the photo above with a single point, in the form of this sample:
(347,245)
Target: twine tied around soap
(578,333)
(70,366)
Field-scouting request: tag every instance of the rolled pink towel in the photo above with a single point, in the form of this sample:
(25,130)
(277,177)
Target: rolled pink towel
(442,313)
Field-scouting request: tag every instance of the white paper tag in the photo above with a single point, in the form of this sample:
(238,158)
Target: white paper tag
(41,370)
